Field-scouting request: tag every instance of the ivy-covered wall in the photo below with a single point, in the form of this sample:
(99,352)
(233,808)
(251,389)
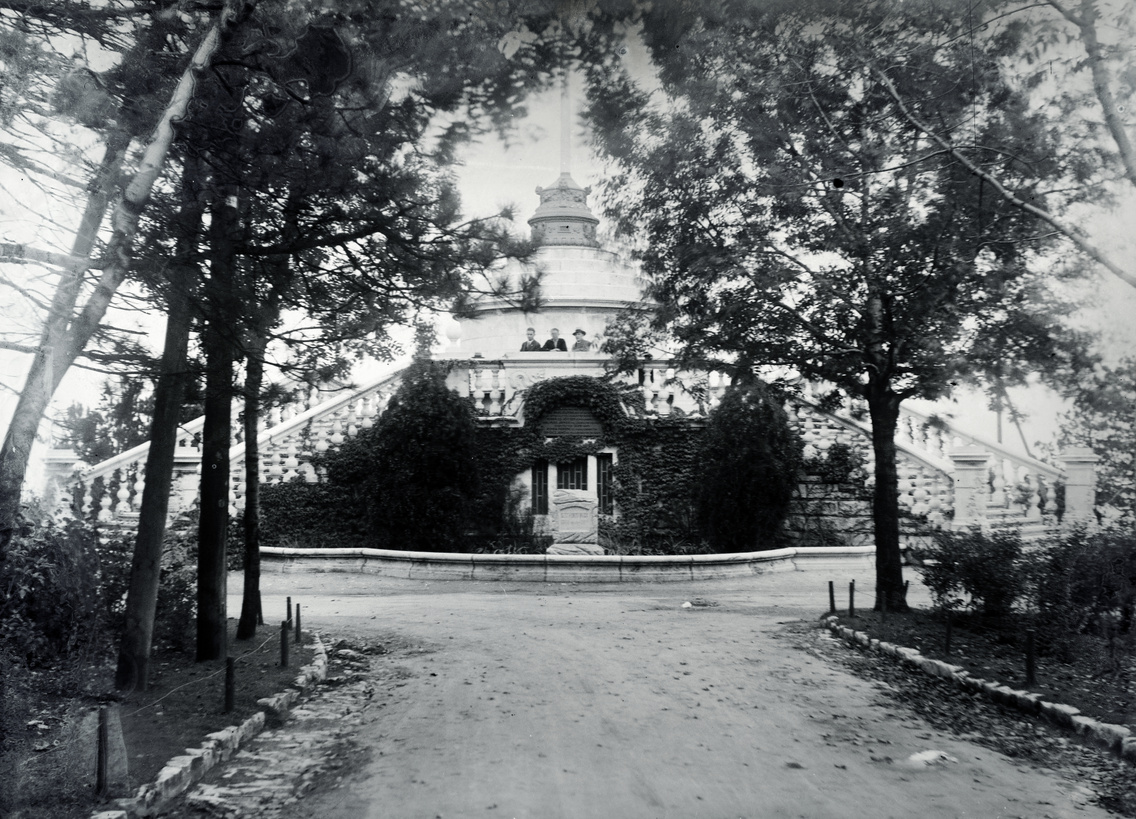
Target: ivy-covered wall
(658,469)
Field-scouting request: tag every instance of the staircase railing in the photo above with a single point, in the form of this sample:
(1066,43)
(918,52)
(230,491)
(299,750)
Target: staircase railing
(947,476)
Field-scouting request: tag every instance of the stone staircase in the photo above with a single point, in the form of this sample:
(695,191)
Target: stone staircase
(948,477)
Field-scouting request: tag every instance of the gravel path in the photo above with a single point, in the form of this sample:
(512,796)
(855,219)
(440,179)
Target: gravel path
(581,701)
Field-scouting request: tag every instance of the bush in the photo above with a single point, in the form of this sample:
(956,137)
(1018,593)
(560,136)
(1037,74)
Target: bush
(50,602)
(311,515)
(983,571)
(1085,585)
(176,614)
(415,471)
(751,457)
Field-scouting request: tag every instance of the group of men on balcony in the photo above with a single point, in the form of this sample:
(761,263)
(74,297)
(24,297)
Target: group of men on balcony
(531,345)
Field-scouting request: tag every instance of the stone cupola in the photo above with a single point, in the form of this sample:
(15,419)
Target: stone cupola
(563,217)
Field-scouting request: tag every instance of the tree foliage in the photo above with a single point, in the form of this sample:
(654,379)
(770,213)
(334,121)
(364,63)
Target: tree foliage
(750,457)
(415,471)
(1102,418)
(791,213)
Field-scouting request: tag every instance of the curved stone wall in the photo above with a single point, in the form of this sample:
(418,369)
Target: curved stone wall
(558,568)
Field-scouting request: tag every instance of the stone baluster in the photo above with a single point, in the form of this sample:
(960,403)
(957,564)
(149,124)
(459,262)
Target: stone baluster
(86,502)
(123,493)
(906,489)
(236,494)
(139,487)
(1032,482)
(1080,465)
(998,482)
(367,411)
(352,423)
(920,496)
(941,446)
(971,465)
(291,463)
(105,503)
(336,435)
(935,500)
(713,389)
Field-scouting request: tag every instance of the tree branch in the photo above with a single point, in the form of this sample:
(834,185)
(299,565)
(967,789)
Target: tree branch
(1070,232)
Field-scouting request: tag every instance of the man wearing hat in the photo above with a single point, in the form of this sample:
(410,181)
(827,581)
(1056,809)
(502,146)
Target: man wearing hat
(580,346)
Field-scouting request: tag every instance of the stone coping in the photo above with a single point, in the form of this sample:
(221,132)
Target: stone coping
(1117,739)
(181,772)
(556,568)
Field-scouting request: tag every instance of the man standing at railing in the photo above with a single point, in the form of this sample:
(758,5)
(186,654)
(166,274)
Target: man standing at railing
(531,345)
(556,342)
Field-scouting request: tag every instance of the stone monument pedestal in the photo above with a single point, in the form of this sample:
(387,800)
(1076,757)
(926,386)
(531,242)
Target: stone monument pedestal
(575,524)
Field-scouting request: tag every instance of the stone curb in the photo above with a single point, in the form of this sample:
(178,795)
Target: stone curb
(183,771)
(1117,739)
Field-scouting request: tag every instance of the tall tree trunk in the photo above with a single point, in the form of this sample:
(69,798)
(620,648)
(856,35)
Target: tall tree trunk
(133,668)
(250,602)
(218,342)
(883,406)
(67,334)
(49,365)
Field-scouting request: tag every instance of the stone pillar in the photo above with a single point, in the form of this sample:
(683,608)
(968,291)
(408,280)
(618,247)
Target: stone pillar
(971,467)
(59,485)
(1080,484)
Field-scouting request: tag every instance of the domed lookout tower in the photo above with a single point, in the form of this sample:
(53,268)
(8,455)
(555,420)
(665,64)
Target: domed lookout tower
(582,287)
(497,359)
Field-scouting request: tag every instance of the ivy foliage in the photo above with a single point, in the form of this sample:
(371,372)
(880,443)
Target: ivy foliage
(749,463)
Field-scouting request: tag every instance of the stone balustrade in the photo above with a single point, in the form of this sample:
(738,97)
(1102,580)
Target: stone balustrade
(946,477)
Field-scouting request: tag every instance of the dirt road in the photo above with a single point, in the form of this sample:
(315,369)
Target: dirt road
(573,701)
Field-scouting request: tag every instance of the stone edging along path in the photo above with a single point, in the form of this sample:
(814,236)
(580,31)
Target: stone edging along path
(1117,739)
(556,568)
(183,771)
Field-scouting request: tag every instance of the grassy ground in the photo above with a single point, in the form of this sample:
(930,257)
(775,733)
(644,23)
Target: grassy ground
(54,753)
(1096,676)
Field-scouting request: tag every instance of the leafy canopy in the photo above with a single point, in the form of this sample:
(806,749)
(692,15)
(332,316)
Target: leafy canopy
(790,213)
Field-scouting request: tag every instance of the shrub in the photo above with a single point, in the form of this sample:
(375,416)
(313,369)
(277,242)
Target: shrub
(50,606)
(750,459)
(415,471)
(311,515)
(176,614)
(984,571)
(1085,584)
(840,464)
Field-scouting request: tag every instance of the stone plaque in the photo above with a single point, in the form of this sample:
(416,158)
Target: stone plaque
(574,517)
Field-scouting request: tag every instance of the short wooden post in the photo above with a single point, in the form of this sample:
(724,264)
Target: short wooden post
(284,644)
(289,609)
(103,753)
(852,599)
(230,684)
(831,597)
(299,636)
(1031,657)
